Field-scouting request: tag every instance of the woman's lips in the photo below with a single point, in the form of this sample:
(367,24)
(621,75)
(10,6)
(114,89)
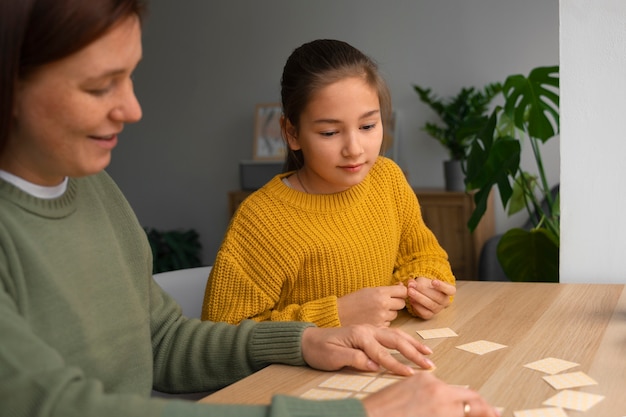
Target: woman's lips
(107,142)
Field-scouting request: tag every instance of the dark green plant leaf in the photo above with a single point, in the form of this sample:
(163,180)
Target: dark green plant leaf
(531,256)
(479,152)
(175,249)
(490,163)
(532,103)
(462,116)
(520,188)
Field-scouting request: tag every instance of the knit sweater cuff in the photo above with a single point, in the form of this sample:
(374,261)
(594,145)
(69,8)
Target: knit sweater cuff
(291,406)
(278,342)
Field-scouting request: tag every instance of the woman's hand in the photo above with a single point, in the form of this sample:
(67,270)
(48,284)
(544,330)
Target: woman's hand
(377,305)
(429,296)
(423,395)
(364,347)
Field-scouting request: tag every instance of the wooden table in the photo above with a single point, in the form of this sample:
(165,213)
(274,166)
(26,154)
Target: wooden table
(582,323)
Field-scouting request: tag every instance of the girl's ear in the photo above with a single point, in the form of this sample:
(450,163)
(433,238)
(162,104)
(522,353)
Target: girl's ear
(290,133)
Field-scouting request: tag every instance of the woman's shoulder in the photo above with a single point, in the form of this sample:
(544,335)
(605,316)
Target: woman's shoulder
(101,182)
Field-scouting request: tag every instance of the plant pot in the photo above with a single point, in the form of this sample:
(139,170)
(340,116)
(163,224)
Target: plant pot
(453,175)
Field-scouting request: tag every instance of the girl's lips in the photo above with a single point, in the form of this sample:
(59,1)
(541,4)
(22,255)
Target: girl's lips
(352,168)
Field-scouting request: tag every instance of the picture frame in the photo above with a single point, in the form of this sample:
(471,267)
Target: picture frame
(268,141)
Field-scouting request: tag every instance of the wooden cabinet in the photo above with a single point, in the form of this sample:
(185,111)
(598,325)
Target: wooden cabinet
(446,213)
(235,198)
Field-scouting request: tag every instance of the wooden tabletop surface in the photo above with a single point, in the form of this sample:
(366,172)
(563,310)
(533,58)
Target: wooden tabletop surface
(580,323)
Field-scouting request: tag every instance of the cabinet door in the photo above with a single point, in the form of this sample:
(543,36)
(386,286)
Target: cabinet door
(235,198)
(446,213)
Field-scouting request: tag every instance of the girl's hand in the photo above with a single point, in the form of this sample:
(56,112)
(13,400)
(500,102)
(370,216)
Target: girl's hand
(429,296)
(377,306)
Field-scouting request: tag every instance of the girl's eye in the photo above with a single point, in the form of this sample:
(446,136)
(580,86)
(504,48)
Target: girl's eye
(328,134)
(369,127)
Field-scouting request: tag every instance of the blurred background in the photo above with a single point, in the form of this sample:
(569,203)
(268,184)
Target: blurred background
(207,64)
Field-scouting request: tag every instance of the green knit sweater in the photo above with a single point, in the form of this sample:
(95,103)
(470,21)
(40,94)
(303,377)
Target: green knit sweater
(85,331)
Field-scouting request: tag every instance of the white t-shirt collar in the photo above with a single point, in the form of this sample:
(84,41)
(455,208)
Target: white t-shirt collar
(35,190)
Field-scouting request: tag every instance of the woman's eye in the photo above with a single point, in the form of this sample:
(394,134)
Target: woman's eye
(102,89)
(369,126)
(98,91)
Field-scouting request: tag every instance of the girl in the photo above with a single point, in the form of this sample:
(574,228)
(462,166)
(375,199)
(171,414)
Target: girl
(339,238)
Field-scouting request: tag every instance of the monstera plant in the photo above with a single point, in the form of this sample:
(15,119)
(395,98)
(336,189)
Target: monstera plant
(530,113)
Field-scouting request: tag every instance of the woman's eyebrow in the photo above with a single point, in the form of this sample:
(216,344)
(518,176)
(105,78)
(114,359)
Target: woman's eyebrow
(113,72)
(107,74)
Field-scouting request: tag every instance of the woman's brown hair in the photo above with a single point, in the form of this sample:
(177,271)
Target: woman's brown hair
(37,32)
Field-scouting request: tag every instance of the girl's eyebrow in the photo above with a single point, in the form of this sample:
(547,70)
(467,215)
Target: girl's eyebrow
(363,116)
(370,113)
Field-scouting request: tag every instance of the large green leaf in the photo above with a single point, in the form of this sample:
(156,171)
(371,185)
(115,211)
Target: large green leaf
(532,103)
(523,184)
(530,256)
(490,163)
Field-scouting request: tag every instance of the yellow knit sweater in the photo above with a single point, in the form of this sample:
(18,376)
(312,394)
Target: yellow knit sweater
(288,255)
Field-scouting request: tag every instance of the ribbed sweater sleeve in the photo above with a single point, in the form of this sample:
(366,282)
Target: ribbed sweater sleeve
(289,255)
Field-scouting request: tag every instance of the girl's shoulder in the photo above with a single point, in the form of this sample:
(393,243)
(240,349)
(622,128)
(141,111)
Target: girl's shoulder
(386,168)
(264,200)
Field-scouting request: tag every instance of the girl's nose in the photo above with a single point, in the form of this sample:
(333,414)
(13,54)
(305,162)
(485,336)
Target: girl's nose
(353,146)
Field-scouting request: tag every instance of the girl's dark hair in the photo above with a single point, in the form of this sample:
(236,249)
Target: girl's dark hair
(316,65)
(37,32)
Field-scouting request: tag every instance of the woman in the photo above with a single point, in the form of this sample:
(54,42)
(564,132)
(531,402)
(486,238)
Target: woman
(85,329)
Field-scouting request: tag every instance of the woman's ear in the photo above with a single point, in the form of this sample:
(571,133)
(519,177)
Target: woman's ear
(291,133)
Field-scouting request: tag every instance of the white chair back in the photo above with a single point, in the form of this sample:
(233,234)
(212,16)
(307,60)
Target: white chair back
(186,286)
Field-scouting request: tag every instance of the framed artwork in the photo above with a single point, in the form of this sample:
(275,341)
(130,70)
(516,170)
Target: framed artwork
(268,142)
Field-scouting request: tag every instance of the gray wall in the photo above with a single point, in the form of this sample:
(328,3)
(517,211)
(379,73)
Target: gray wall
(207,63)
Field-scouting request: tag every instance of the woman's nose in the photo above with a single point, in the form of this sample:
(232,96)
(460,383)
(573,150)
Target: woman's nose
(128,109)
